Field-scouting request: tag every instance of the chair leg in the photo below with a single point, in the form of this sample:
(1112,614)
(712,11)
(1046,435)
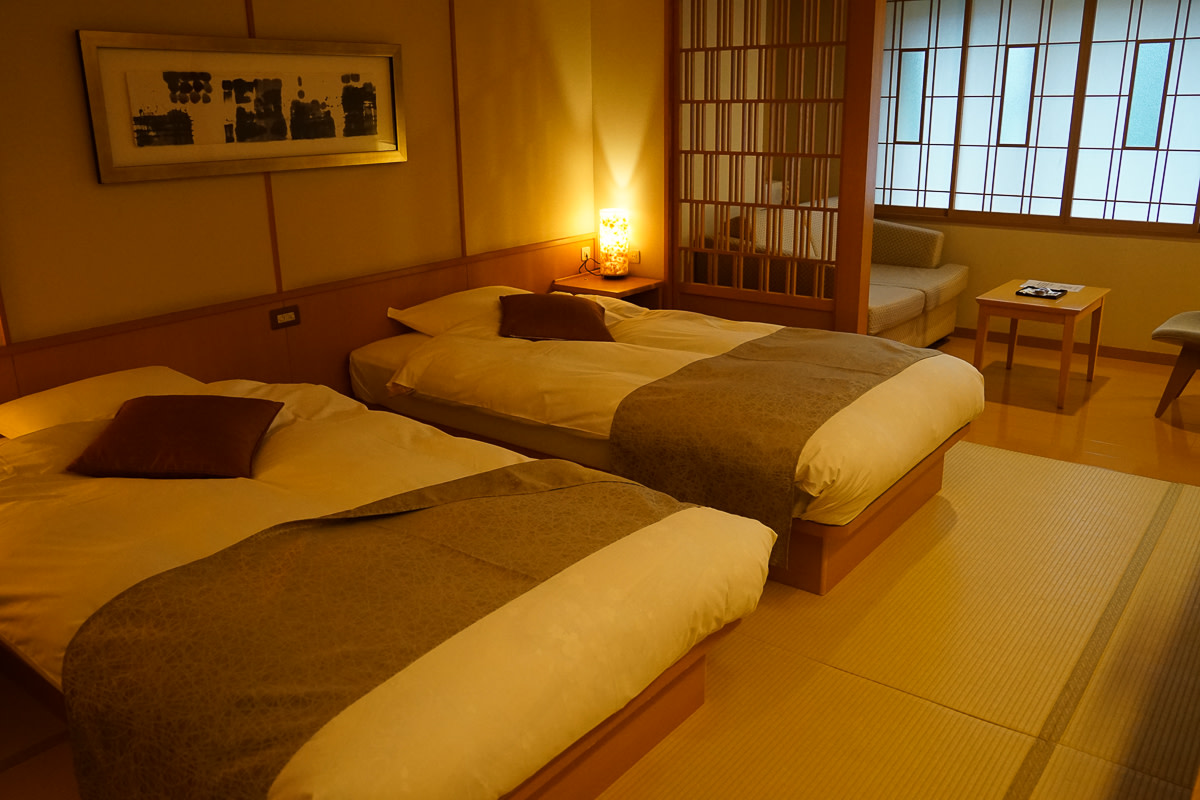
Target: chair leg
(1187,363)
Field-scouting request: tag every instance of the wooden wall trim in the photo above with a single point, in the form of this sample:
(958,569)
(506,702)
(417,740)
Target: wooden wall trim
(235,340)
(864,67)
(462,203)
(4,334)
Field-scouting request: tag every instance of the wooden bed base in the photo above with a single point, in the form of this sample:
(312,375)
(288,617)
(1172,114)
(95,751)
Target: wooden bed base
(583,770)
(588,767)
(821,555)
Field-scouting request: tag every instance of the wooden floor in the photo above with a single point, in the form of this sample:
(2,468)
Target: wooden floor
(1108,423)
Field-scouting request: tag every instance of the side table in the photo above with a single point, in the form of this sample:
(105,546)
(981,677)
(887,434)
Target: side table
(625,288)
(1003,301)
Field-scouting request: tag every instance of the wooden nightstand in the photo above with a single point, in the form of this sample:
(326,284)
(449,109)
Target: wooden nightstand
(634,288)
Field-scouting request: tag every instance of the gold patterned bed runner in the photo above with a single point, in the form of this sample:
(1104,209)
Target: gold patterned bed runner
(203,681)
(727,431)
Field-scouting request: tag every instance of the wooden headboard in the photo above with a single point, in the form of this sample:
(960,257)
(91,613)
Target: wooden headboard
(236,340)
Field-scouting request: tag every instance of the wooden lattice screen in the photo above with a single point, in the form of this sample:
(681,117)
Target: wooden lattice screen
(760,128)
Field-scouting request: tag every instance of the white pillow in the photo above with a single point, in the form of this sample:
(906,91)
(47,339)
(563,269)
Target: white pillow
(90,398)
(480,306)
(617,309)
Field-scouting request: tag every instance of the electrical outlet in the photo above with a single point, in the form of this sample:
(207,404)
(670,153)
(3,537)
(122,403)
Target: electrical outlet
(285,317)
(585,252)
(634,256)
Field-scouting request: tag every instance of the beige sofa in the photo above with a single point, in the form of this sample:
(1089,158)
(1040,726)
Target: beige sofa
(913,297)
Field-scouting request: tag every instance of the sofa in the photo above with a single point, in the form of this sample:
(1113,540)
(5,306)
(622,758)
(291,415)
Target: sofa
(913,296)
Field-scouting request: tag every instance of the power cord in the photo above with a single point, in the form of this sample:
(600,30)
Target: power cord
(584,266)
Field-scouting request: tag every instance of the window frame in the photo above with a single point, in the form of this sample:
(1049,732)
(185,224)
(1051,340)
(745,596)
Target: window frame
(1063,221)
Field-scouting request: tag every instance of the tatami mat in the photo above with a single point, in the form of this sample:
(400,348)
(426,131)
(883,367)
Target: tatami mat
(828,735)
(1140,707)
(985,598)
(1072,775)
(1032,632)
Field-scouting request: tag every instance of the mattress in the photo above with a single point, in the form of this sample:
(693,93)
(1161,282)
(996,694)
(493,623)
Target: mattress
(71,543)
(566,394)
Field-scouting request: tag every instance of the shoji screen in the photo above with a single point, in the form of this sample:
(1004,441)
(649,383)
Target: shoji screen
(760,123)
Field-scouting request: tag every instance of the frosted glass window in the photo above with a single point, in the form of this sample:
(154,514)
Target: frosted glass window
(1100,122)
(1104,93)
(1060,69)
(940,167)
(1054,122)
(1018,95)
(910,102)
(1149,88)
(945,73)
(1182,215)
(1088,209)
(942,119)
(1137,177)
(972,169)
(1091,177)
(937,200)
(1051,169)
(1003,204)
(1183,172)
(976,121)
(907,167)
(1009,171)
(1047,207)
(1106,67)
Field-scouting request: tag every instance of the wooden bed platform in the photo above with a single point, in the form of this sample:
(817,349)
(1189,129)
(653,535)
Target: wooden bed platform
(821,555)
(583,770)
(818,555)
(589,766)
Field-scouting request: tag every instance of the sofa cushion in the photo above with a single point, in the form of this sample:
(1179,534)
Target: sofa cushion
(938,285)
(888,306)
(905,245)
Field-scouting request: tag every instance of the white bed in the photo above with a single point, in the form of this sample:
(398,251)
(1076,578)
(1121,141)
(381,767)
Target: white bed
(70,543)
(559,398)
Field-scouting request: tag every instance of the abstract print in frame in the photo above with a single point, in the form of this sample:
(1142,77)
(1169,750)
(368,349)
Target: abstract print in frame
(186,106)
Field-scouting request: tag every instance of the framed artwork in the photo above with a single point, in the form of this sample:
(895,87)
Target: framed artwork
(188,106)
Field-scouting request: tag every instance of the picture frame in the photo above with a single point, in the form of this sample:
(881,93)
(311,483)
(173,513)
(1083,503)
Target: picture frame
(165,106)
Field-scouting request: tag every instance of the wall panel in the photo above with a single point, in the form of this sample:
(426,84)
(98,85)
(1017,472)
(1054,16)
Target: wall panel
(525,104)
(237,343)
(8,379)
(629,121)
(74,253)
(341,223)
(337,321)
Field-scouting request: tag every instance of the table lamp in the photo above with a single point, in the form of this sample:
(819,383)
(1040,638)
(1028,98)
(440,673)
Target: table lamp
(614,242)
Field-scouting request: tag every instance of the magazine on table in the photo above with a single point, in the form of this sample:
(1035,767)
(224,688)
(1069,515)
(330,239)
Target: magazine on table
(1047,289)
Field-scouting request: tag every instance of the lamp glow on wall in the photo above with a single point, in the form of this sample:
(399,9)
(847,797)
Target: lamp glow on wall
(614,242)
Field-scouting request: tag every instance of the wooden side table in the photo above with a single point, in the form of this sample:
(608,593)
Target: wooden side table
(1003,301)
(625,288)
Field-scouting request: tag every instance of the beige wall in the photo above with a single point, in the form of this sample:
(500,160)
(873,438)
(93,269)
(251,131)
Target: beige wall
(75,254)
(561,111)
(1151,279)
(628,89)
(526,114)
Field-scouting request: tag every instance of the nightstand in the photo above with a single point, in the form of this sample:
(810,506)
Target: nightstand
(634,288)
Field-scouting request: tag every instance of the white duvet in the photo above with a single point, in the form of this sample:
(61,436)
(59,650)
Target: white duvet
(848,462)
(561,659)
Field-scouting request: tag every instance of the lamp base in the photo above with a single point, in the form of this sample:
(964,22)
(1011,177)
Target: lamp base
(614,268)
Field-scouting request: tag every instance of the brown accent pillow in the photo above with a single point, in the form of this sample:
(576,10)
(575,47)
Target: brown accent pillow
(552,316)
(180,436)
